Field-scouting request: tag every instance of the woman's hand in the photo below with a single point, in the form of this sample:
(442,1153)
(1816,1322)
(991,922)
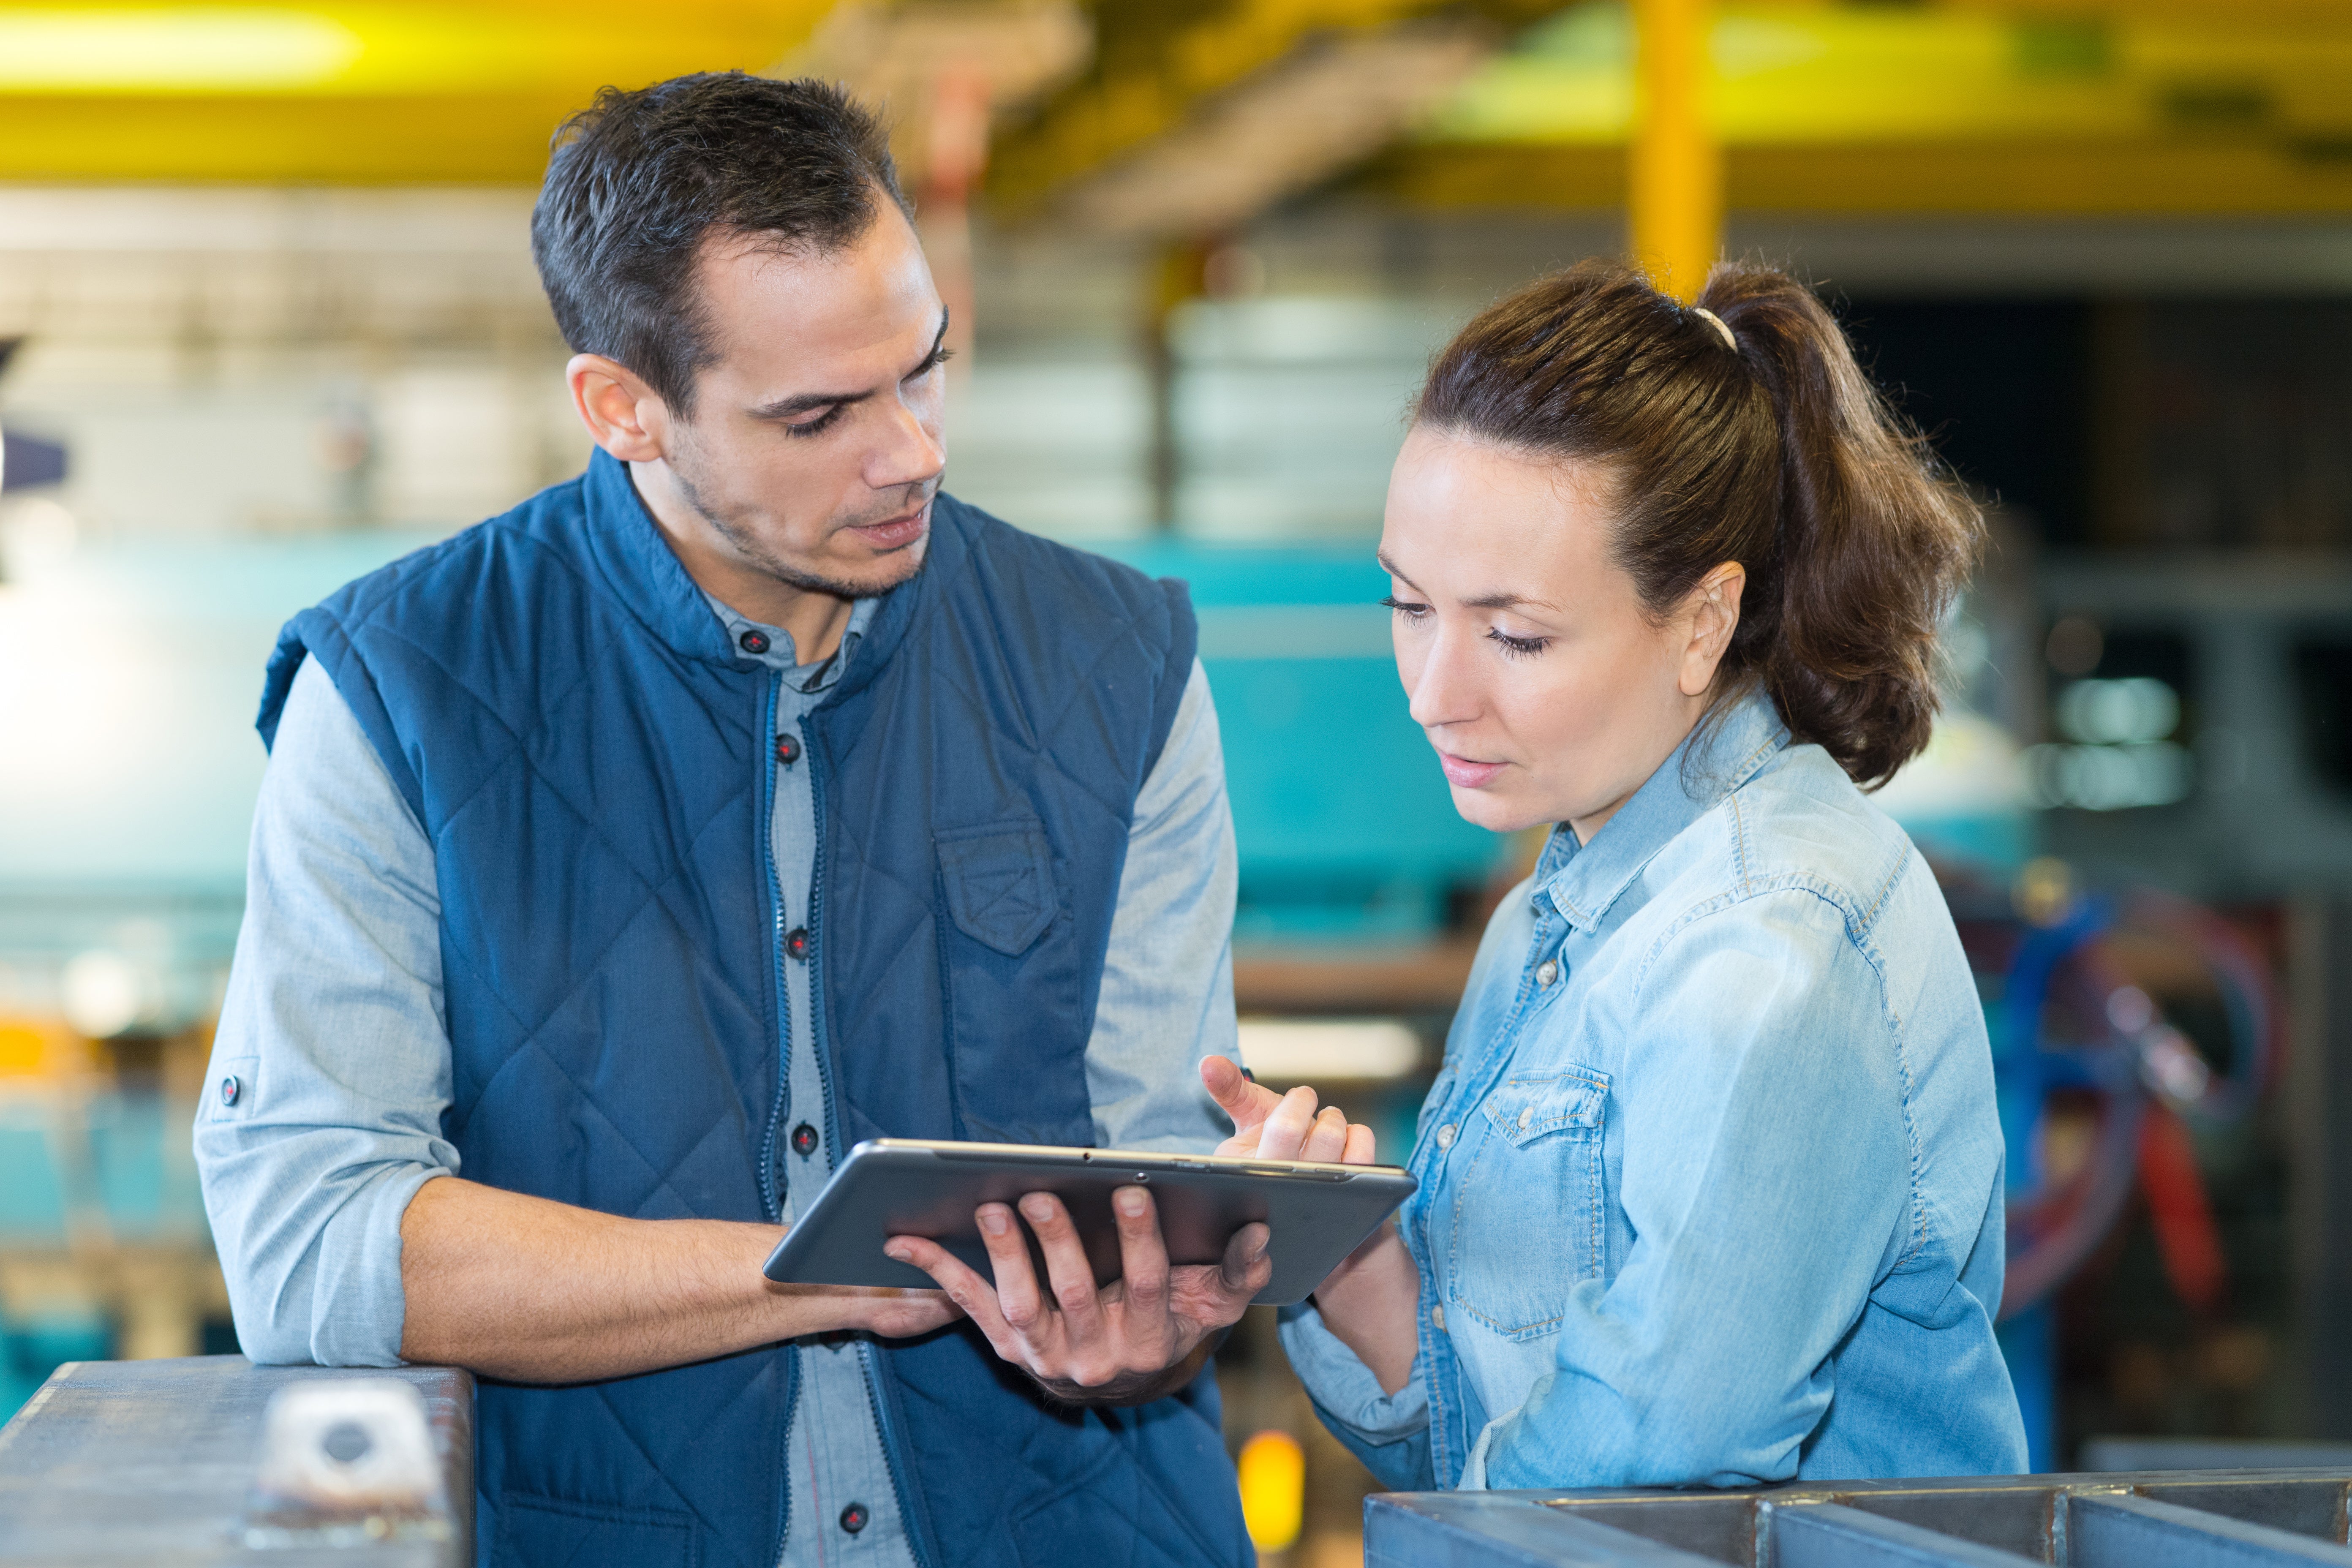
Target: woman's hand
(1371,1300)
(1135,1339)
(1270,1126)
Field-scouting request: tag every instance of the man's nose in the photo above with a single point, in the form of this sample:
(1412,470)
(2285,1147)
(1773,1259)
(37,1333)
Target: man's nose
(912,453)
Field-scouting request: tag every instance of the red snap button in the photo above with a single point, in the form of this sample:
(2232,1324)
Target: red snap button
(788,750)
(230,1089)
(753,642)
(854,1517)
(796,941)
(803,1140)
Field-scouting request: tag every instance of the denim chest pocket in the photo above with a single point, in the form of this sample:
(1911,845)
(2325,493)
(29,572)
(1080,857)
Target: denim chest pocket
(1529,1220)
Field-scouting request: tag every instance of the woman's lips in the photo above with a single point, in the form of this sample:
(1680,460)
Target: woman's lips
(1464,774)
(896,534)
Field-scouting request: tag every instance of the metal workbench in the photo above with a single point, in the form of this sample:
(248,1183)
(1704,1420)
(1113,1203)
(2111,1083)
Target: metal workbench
(154,1463)
(2201,1519)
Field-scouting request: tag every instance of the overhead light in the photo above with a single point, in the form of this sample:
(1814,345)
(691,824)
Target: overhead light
(174,49)
(1328,1051)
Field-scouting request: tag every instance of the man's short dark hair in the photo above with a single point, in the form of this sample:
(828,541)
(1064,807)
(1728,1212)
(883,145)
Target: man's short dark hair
(638,181)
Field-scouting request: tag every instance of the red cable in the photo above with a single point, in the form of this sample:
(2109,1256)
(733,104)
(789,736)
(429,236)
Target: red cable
(2186,1236)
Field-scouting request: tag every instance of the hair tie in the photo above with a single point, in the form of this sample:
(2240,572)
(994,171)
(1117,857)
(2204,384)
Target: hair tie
(1712,320)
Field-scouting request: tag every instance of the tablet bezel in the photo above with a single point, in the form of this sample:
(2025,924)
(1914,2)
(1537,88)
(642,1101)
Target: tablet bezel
(1320,1212)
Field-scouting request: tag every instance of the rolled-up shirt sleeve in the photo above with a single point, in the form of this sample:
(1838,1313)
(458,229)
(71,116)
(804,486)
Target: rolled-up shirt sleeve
(1167,997)
(331,1069)
(1389,1432)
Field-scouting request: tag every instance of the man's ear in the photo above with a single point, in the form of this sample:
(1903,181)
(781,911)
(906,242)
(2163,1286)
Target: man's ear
(1712,613)
(624,416)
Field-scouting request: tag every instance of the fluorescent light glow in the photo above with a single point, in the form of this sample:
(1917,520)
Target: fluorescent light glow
(1294,1051)
(191,49)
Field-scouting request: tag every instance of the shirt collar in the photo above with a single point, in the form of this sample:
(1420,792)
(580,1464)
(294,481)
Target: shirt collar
(782,654)
(1722,753)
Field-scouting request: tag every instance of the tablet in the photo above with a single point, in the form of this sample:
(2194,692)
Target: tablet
(900,1186)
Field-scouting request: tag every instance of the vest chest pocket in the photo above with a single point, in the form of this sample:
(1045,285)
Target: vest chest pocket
(1529,1220)
(1009,959)
(997,879)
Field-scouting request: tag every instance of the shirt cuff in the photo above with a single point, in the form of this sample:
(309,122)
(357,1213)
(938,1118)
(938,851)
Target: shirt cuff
(1344,1387)
(361,1309)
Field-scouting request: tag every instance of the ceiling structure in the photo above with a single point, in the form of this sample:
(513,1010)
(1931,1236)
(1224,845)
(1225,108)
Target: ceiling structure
(1181,118)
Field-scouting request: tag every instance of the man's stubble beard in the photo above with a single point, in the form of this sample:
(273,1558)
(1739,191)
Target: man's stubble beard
(761,558)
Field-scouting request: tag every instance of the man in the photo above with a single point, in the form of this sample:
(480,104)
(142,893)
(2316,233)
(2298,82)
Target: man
(639,851)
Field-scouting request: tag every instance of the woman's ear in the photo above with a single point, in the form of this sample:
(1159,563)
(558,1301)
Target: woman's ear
(1711,613)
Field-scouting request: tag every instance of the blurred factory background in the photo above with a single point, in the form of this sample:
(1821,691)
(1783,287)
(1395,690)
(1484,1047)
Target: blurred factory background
(268,319)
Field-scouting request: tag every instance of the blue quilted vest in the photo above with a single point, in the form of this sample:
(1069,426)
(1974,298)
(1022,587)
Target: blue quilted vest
(591,757)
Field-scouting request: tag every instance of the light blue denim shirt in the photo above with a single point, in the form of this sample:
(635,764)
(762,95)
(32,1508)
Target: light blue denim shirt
(333,1026)
(1711,1177)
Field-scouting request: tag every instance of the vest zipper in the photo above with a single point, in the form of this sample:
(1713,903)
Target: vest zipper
(765,795)
(868,1358)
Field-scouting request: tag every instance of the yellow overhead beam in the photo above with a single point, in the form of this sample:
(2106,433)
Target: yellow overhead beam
(336,91)
(2176,180)
(1676,208)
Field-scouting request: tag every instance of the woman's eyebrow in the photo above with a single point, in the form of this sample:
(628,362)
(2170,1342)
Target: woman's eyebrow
(1500,599)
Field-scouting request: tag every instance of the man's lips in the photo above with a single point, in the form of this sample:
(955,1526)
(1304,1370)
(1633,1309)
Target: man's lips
(893,533)
(1464,774)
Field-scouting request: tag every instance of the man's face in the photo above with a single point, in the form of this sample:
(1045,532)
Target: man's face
(813,448)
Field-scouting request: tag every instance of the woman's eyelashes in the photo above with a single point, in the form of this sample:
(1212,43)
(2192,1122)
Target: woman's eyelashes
(1415,612)
(1517,647)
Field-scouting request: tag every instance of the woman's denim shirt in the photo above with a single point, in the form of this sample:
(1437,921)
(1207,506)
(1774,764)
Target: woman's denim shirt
(1711,1178)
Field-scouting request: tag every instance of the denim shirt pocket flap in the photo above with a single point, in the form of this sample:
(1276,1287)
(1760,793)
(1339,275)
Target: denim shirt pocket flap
(999,881)
(1524,1109)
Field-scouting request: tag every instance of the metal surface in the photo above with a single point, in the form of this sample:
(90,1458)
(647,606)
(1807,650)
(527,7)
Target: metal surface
(1830,1535)
(2249,1518)
(2127,1531)
(154,1463)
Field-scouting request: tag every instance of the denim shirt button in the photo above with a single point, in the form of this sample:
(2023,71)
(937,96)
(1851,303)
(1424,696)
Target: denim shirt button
(1546,971)
(1446,1136)
(1437,1318)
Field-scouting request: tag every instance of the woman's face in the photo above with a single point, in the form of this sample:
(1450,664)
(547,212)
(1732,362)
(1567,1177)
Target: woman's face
(1547,693)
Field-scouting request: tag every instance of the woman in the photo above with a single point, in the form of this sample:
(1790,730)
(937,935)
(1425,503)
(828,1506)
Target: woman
(1711,1180)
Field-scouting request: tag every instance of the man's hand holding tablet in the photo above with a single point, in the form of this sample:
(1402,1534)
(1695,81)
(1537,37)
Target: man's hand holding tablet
(1147,1332)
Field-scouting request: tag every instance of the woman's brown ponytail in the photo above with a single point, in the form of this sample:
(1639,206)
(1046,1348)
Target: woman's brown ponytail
(1773,450)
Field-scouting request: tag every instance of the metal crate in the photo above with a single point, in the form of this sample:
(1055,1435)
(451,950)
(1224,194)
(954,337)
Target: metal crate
(2245,1518)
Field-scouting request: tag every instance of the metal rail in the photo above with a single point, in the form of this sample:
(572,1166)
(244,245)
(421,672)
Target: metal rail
(2197,1519)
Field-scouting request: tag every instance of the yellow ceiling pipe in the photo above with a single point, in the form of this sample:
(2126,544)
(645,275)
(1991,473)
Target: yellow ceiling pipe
(1675,192)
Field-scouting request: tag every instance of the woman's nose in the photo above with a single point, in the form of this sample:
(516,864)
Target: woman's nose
(1442,689)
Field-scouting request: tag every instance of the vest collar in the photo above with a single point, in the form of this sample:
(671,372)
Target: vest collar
(642,570)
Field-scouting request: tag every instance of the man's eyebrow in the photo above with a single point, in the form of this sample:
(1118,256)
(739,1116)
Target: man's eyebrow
(938,346)
(809,402)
